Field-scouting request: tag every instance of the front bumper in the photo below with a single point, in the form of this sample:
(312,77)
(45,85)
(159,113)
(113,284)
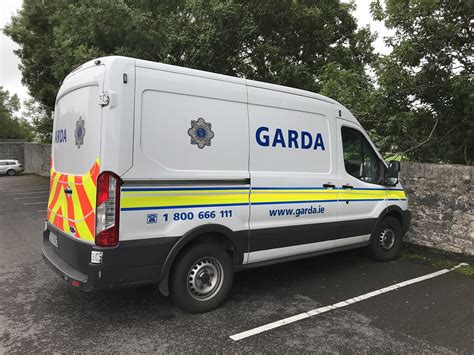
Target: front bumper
(131,263)
(406,220)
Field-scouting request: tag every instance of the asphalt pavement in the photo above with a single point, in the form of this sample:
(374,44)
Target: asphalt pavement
(39,312)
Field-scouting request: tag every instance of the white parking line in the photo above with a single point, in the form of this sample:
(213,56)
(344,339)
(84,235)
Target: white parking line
(25,184)
(42,211)
(30,193)
(26,197)
(35,203)
(27,189)
(345,303)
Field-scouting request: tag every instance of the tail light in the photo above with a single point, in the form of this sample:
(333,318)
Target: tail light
(107,210)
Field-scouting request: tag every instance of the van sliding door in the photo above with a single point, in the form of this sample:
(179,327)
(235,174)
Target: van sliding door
(293,175)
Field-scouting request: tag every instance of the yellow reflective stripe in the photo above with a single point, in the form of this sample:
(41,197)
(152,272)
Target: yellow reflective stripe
(169,198)
(60,201)
(293,195)
(396,194)
(128,201)
(184,192)
(51,196)
(362,194)
(64,210)
(90,188)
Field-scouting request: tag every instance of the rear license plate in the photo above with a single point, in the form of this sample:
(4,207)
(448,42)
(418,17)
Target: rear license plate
(53,238)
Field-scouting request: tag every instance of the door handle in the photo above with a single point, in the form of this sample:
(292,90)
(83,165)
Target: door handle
(329,186)
(347,187)
(68,190)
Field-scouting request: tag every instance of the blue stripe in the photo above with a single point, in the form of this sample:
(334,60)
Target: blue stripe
(238,204)
(323,188)
(312,201)
(289,188)
(367,188)
(374,199)
(291,202)
(247,188)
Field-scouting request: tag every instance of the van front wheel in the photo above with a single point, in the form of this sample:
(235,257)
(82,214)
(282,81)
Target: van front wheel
(387,240)
(201,278)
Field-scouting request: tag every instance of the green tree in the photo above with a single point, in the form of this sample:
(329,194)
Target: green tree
(288,42)
(425,101)
(11,125)
(38,115)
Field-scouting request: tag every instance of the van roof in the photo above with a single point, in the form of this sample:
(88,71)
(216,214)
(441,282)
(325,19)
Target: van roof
(109,60)
(215,76)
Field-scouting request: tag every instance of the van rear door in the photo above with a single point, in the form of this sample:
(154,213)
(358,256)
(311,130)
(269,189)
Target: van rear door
(75,162)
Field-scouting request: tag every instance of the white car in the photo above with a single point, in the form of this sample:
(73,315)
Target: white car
(10,167)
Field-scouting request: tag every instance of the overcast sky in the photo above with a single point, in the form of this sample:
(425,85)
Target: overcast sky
(10,76)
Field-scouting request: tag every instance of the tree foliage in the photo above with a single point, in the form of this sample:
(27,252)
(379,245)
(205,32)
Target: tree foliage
(12,126)
(40,119)
(288,42)
(425,83)
(426,89)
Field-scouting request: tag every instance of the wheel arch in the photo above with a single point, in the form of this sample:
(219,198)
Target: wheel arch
(393,211)
(234,242)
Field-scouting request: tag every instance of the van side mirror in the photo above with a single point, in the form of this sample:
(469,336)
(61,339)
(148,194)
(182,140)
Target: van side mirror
(393,173)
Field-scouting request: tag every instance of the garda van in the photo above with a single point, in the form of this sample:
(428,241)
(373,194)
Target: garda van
(178,177)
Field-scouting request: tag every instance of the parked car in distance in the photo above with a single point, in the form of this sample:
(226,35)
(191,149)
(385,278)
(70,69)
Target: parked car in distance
(10,167)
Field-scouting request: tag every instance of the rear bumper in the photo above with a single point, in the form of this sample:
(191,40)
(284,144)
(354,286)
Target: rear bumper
(66,271)
(130,263)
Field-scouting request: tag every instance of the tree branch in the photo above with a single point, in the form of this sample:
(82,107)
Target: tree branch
(419,144)
(425,141)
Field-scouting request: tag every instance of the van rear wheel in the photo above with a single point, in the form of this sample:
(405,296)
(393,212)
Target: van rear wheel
(387,240)
(11,172)
(201,278)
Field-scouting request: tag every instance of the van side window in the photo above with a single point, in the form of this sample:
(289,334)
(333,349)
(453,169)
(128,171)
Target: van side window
(360,159)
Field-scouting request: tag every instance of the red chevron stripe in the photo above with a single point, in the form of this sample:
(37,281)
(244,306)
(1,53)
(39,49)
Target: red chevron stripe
(55,195)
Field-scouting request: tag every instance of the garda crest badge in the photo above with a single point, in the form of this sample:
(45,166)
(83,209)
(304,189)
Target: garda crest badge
(201,133)
(80,132)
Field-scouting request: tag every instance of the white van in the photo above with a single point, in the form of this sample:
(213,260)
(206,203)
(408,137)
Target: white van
(178,177)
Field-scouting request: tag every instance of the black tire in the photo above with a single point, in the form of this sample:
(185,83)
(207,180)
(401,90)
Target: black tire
(11,172)
(387,240)
(192,268)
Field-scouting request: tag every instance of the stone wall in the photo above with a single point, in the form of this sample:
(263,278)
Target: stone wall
(440,198)
(11,150)
(38,158)
(35,157)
